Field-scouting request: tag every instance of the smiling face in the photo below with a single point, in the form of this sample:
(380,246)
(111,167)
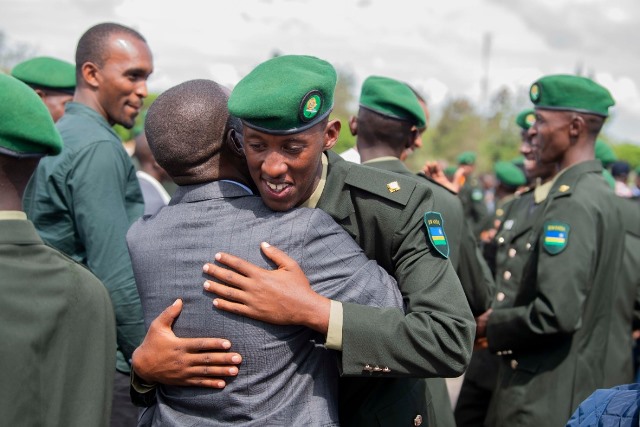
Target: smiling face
(287,168)
(122,79)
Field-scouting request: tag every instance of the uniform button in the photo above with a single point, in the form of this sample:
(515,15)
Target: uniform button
(377,368)
(500,296)
(501,240)
(367,368)
(386,369)
(506,275)
(417,420)
(514,363)
(512,252)
(499,353)
(528,246)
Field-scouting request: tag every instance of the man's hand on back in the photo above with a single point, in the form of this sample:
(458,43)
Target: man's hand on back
(282,296)
(167,359)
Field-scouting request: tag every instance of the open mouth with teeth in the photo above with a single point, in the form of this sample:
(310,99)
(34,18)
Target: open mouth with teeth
(276,187)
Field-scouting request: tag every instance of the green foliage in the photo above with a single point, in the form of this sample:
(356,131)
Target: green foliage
(628,152)
(344,106)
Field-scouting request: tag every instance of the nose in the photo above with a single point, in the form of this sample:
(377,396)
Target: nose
(525,148)
(274,165)
(141,89)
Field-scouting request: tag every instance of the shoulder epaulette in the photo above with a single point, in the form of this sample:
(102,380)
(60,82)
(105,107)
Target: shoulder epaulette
(384,184)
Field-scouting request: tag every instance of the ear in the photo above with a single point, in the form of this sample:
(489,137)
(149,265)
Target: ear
(90,73)
(576,126)
(353,125)
(42,94)
(234,141)
(331,134)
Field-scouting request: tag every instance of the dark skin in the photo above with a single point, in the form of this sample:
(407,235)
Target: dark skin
(559,139)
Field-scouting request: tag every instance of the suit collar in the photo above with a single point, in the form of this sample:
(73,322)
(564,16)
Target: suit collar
(208,191)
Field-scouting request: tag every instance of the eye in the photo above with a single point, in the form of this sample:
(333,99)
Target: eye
(293,148)
(254,146)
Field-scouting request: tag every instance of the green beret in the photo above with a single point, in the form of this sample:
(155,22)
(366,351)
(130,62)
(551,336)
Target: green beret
(285,95)
(450,170)
(518,161)
(48,73)
(26,129)
(604,153)
(526,118)
(467,158)
(573,93)
(392,98)
(509,174)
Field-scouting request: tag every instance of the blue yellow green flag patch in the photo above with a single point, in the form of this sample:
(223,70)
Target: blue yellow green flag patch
(555,237)
(435,231)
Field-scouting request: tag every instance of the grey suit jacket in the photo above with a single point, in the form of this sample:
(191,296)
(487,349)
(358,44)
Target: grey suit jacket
(287,376)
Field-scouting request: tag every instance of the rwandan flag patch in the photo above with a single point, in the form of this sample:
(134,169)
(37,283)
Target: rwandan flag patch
(556,237)
(435,230)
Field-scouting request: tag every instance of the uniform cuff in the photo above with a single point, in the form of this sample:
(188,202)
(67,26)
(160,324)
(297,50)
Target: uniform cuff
(334,332)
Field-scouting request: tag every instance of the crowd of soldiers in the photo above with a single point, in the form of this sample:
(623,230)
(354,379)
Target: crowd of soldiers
(343,293)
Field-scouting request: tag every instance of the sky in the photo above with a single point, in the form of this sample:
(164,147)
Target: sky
(436,46)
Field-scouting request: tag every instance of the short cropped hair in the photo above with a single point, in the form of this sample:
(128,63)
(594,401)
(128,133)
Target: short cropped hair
(92,46)
(186,128)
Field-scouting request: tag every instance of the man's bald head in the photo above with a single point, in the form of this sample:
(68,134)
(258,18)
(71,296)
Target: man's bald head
(187,128)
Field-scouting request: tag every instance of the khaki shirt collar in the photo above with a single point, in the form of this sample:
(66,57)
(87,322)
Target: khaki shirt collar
(312,202)
(541,191)
(13,215)
(380,159)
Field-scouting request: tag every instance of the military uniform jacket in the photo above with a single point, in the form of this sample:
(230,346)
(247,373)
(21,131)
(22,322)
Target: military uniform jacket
(552,334)
(58,335)
(435,336)
(472,199)
(619,363)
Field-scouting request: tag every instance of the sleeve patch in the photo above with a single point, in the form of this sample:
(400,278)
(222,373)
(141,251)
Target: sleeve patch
(555,237)
(435,230)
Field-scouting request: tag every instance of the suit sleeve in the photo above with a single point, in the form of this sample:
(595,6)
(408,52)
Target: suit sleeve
(99,210)
(435,336)
(563,282)
(337,267)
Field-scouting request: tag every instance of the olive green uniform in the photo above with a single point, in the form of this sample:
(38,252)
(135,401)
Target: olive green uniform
(552,334)
(478,294)
(619,363)
(511,252)
(472,198)
(434,338)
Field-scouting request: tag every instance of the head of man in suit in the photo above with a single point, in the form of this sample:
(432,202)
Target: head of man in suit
(193,137)
(390,119)
(570,112)
(113,63)
(27,133)
(284,104)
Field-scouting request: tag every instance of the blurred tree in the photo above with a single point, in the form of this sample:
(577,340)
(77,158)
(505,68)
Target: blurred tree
(11,54)
(344,106)
(628,152)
